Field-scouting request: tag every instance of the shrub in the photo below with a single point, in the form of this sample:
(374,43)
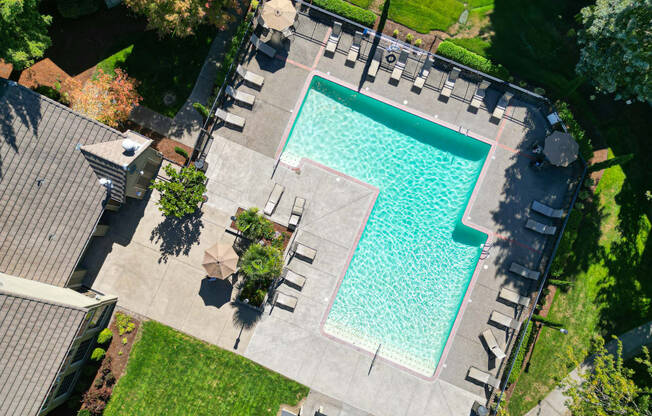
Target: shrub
(109,379)
(104,336)
(278,242)
(547,322)
(574,128)
(254,5)
(395,33)
(182,193)
(231,53)
(253,293)
(124,340)
(201,109)
(49,92)
(409,38)
(347,10)
(253,225)
(99,383)
(98,354)
(465,57)
(418,43)
(261,263)
(95,401)
(180,151)
(123,322)
(517,359)
(562,284)
(84,412)
(72,9)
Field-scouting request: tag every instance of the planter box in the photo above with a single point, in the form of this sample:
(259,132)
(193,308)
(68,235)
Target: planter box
(259,309)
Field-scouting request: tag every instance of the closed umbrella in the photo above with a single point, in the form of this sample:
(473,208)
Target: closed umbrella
(279,14)
(561,149)
(220,260)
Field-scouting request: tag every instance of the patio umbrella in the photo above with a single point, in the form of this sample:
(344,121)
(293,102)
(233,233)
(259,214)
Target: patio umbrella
(278,14)
(561,149)
(220,260)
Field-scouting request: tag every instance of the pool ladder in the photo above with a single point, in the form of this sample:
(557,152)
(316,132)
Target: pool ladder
(485,251)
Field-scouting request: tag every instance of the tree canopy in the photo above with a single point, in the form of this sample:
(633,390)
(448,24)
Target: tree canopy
(182,193)
(616,48)
(23,32)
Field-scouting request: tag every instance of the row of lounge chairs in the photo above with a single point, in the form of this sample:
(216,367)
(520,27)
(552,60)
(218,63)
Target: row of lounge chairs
(297,208)
(240,97)
(292,279)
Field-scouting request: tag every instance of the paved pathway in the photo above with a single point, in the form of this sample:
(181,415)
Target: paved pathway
(554,403)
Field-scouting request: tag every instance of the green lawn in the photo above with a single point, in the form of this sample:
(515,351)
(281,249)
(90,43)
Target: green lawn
(609,270)
(361,3)
(169,373)
(425,15)
(161,65)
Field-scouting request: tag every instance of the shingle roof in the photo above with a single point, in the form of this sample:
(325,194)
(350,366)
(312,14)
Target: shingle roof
(36,337)
(50,198)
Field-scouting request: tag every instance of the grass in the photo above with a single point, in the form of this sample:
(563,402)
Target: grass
(161,65)
(476,45)
(361,3)
(170,373)
(610,293)
(426,15)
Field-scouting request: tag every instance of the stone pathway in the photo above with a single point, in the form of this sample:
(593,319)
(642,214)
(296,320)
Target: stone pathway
(554,403)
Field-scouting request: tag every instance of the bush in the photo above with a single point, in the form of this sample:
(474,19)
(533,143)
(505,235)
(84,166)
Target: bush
(349,11)
(465,57)
(418,43)
(253,225)
(180,151)
(95,401)
(109,379)
(98,354)
(201,109)
(409,38)
(547,322)
(574,128)
(517,359)
(72,9)
(84,412)
(49,92)
(123,322)
(395,33)
(104,336)
(262,263)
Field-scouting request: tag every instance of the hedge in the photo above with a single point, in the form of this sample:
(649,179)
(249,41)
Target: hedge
(574,128)
(450,50)
(347,10)
(517,359)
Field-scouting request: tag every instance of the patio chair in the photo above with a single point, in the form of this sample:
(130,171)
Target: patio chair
(524,271)
(334,38)
(273,199)
(541,228)
(354,50)
(478,96)
(450,82)
(504,320)
(304,252)
(375,63)
(229,118)
(513,297)
(262,46)
(240,96)
(495,349)
(484,378)
(499,111)
(284,301)
(297,212)
(423,75)
(293,279)
(544,209)
(399,66)
(250,77)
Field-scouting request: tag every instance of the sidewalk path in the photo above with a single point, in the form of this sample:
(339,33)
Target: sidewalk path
(554,403)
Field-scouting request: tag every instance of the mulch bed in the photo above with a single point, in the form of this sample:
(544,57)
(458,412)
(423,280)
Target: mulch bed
(598,156)
(44,72)
(161,143)
(277,227)
(430,40)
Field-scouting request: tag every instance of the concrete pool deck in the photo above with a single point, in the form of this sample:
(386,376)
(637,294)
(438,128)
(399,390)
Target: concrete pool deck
(291,343)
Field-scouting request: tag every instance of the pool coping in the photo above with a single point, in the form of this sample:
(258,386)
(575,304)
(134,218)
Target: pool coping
(465,217)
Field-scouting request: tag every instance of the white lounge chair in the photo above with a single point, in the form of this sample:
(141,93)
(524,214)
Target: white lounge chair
(375,63)
(262,46)
(354,50)
(502,104)
(273,199)
(484,378)
(423,74)
(250,77)
(297,212)
(495,349)
(544,209)
(450,82)
(293,279)
(478,96)
(286,301)
(400,66)
(229,118)
(304,252)
(524,271)
(240,96)
(334,38)
(541,228)
(504,320)
(513,297)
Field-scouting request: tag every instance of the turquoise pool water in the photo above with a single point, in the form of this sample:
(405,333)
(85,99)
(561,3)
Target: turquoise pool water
(415,259)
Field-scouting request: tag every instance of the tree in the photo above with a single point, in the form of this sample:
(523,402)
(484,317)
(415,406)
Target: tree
(180,18)
(108,98)
(609,387)
(261,264)
(616,51)
(182,193)
(23,32)
(253,225)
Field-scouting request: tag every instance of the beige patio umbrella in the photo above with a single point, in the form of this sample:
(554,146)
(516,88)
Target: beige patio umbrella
(278,14)
(220,260)
(561,149)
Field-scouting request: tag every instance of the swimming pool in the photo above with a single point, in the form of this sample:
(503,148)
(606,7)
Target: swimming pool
(415,259)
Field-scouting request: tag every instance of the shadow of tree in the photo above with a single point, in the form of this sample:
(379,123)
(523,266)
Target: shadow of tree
(177,236)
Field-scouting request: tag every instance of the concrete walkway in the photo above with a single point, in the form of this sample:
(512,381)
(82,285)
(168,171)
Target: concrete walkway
(554,404)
